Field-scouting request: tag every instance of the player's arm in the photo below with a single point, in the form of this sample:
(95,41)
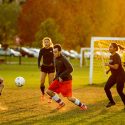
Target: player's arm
(39,58)
(68,70)
(108,71)
(115,66)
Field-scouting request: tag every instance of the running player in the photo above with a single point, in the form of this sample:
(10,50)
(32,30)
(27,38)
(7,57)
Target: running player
(117,75)
(47,65)
(1,85)
(63,80)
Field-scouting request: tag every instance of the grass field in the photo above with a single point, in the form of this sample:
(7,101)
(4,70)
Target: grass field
(22,106)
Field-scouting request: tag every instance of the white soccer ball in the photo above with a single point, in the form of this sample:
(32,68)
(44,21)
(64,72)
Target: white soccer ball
(19,81)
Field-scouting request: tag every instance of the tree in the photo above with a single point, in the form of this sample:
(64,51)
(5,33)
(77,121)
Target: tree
(8,21)
(48,28)
(78,20)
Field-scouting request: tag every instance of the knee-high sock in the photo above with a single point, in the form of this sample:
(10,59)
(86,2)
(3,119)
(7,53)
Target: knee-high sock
(57,99)
(42,88)
(77,102)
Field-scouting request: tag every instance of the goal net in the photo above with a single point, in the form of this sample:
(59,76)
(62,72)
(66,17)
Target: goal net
(97,55)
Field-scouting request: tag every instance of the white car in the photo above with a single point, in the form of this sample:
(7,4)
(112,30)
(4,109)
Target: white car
(35,51)
(9,52)
(75,54)
(14,53)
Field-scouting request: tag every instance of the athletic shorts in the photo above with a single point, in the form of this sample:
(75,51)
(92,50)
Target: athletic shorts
(47,69)
(65,87)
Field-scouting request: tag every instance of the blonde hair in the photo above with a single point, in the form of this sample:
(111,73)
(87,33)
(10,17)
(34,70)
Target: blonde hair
(47,38)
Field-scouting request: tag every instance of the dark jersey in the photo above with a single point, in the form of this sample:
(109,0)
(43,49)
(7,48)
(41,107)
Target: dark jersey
(63,68)
(115,59)
(47,56)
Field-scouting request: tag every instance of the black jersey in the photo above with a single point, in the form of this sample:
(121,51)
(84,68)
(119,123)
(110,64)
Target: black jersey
(63,68)
(47,56)
(115,59)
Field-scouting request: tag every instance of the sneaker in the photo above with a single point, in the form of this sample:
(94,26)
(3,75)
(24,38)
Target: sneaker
(42,97)
(110,104)
(60,106)
(83,107)
(50,100)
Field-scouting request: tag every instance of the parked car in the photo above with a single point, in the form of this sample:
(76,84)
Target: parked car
(15,53)
(9,52)
(75,54)
(87,54)
(25,52)
(35,51)
(65,53)
(68,54)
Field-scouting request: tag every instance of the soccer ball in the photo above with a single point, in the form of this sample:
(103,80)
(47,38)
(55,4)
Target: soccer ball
(19,81)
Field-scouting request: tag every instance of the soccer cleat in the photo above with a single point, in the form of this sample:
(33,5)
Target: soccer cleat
(49,100)
(60,106)
(42,97)
(110,104)
(83,107)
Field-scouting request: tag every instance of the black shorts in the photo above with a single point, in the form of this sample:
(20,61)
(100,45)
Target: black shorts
(47,69)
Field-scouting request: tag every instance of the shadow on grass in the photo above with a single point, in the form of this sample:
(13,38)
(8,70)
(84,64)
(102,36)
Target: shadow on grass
(96,114)
(96,84)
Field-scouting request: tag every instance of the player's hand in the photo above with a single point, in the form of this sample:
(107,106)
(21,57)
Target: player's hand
(60,79)
(106,64)
(107,71)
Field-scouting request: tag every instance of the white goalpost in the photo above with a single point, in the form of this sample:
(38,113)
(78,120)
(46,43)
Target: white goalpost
(98,54)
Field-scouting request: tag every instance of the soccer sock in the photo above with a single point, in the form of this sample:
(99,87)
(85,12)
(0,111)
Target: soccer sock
(42,88)
(77,102)
(57,99)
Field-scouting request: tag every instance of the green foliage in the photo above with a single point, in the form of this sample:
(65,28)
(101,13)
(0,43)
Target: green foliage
(78,20)
(8,21)
(48,28)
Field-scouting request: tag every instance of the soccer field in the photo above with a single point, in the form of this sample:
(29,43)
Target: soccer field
(22,105)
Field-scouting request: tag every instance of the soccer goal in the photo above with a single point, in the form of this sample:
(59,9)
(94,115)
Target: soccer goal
(98,54)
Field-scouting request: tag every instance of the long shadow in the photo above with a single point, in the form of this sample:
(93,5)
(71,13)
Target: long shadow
(84,117)
(97,85)
(73,116)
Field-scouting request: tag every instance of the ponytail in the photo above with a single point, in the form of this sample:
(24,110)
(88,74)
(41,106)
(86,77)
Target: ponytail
(121,47)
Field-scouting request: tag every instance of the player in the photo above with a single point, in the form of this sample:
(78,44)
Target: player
(63,80)
(117,75)
(122,49)
(1,85)
(47,67)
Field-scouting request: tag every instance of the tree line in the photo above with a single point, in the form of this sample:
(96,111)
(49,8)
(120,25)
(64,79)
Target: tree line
(70,22)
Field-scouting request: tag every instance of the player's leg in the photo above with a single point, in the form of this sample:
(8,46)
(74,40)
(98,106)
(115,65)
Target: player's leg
(42,86)
(77,102)
(53,91)
(1,85)
(111,81)
(50,77)
(120,87)
(56,98)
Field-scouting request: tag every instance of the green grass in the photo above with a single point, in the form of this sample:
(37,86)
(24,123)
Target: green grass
(22,106)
